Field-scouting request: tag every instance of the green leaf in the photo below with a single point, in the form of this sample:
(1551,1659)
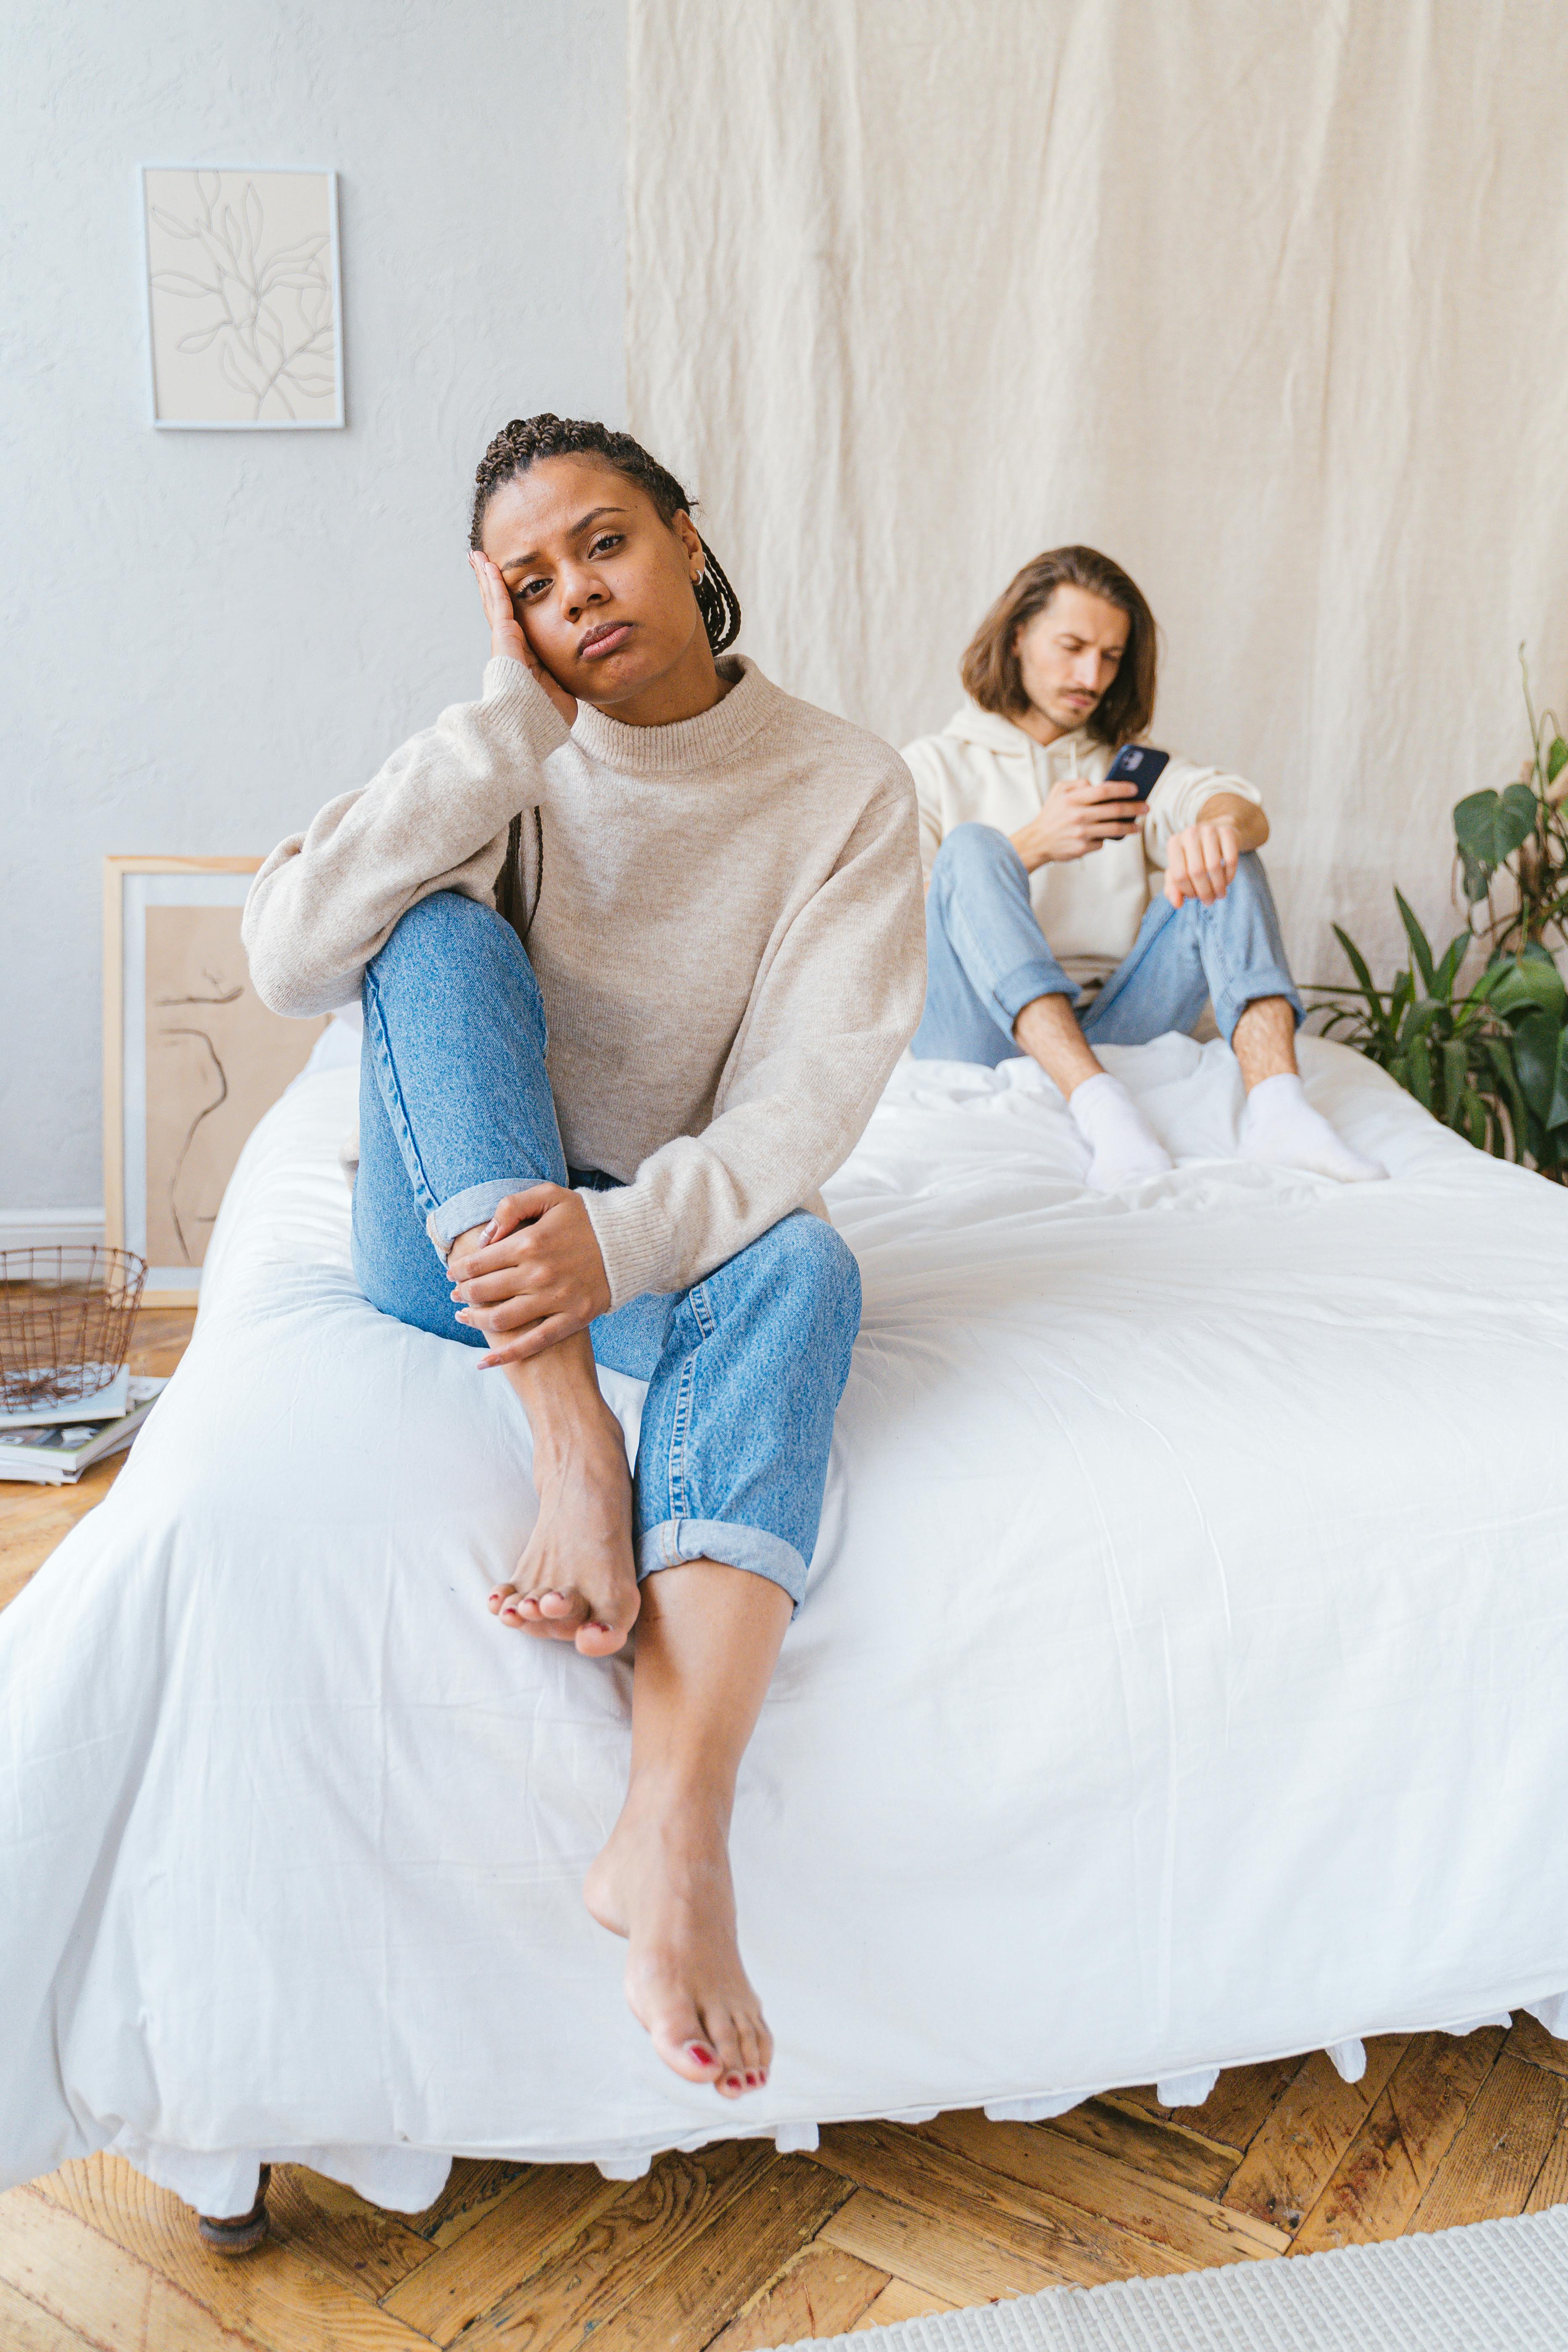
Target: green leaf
(1420,1018)
(1456,1064)
(1529,984)
(1557,1109)
(1499,1052)
(1478,877)
(1490,826)
(1521,808)
(1357,963)
(1447,972)
(1418,1072)
(1537,1043)
(1556,758)
(1420,947)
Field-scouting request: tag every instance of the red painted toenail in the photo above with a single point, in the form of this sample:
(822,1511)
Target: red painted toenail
(703,2057)
(733,2083)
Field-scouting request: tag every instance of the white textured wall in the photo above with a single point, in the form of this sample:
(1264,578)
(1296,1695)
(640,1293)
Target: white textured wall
(205,635)
(1265,301)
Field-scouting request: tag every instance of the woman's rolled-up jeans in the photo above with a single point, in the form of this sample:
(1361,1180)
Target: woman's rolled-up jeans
(745,1371)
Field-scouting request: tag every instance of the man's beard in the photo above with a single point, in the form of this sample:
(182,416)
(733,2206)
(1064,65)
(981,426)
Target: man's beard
(1069,716)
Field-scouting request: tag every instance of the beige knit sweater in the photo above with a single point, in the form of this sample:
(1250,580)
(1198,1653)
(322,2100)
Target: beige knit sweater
(729,938)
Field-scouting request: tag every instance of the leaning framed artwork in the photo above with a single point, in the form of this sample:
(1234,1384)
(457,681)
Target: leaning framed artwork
(192,1057)
(244,299)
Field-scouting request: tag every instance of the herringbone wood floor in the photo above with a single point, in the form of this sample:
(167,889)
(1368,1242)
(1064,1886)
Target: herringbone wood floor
(737,2248)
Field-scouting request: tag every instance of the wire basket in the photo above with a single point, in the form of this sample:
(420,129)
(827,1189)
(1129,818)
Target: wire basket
(66,1316)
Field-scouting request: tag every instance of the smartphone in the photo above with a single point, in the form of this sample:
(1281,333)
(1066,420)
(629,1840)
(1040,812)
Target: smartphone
(1139,764)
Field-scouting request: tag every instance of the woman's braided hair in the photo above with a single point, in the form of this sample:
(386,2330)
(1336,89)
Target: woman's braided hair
(520,444)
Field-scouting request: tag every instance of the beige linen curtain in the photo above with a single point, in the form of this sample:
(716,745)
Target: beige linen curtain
(1265,297)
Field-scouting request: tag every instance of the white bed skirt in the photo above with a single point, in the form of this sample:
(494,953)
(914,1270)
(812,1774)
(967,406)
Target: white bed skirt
(1183,1679)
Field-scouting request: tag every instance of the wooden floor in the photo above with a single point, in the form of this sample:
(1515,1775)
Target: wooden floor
(737,2248)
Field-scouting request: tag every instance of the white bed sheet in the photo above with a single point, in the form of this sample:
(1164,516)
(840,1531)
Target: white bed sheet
(1183,1679)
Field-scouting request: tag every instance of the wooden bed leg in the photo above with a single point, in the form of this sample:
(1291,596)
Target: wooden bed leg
(242,2232)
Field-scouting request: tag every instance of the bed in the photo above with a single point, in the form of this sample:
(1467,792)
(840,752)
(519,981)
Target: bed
(1183,1679)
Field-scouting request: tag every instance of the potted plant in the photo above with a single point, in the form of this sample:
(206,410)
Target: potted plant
(1489,1059)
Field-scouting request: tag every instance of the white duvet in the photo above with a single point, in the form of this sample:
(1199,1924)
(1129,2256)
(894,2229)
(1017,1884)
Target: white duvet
(1183,1679)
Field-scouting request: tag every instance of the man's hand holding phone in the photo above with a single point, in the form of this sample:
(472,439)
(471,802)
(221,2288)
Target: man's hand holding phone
(1079,815)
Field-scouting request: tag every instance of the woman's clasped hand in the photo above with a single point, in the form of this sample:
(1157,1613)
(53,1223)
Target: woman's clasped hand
(533,1277)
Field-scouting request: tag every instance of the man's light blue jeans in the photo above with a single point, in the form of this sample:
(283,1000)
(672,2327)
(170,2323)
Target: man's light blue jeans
(744,1370)
(986,958)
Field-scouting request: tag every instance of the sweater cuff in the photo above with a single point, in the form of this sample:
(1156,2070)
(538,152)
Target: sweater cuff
(516,703)
(635,1243)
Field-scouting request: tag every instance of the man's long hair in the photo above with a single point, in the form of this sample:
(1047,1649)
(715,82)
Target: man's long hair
(990,666)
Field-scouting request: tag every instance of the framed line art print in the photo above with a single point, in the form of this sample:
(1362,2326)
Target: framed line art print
(192,1057)
(244,296)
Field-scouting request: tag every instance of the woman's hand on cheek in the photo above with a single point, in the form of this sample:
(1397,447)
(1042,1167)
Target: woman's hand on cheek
(507,640)
(536,1276)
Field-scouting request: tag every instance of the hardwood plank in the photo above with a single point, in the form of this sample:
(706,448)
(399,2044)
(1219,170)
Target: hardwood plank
(580,2277)
(944,2256)
(1065,2240)
(1499,2149)
(508,2241)
(1195,2227)
(278,2296)
(54,2259)
(706,2279)
(1531,2042)
(1235,2109)
(26,2326)
(1551,2181)
(368,2250)
(823,2292)
(473,2186)
(899,2300)
(1284,2170)
(1390,2163)
(1155,2144)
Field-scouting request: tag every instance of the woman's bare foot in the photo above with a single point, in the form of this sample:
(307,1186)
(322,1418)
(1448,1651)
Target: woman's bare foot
(576,1581)
(663,1882)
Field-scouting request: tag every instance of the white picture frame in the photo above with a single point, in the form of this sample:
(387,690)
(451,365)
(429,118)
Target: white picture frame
(261,236)
(192,1058)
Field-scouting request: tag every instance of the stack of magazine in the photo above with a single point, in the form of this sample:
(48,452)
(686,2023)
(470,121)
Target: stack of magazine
(52,1444)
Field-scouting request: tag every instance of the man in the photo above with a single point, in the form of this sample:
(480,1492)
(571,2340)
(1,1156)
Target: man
(1063,912)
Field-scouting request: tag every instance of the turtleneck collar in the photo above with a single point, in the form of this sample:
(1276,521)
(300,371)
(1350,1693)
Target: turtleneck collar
(712,739)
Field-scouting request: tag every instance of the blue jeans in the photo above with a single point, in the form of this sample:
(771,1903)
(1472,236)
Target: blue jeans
(744,1370)
(986,958)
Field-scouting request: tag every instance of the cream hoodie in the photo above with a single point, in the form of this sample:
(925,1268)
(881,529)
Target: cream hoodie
(982,769)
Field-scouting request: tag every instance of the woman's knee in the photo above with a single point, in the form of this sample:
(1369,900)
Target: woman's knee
(451,963)
(447,931)
(814,1275)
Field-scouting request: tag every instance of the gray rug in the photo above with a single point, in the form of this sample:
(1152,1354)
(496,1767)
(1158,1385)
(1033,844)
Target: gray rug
(1496,2286)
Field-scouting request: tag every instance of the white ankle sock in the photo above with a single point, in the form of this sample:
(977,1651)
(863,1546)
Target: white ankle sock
(1124,1147)
(1279,1125)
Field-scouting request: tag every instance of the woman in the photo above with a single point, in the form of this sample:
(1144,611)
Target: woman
(639,939)
(1063,912)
